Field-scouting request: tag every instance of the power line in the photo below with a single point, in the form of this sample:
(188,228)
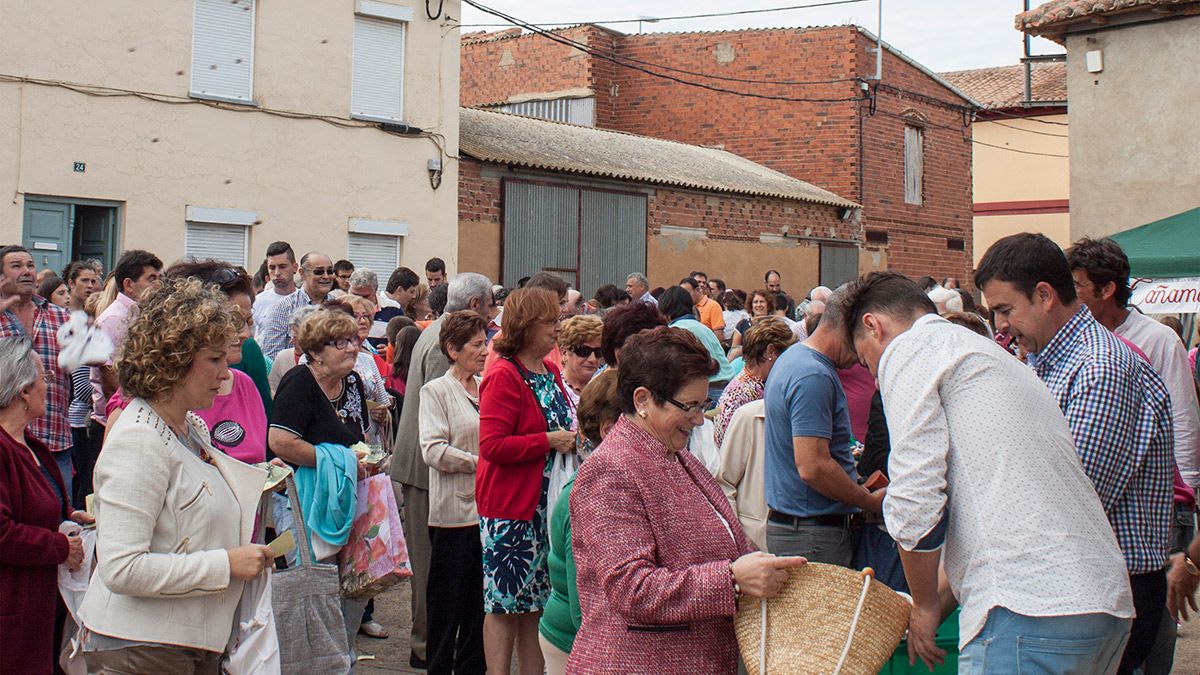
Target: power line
(1023,152)
(626,63)
(672,18)
(596,51)
(1028,131)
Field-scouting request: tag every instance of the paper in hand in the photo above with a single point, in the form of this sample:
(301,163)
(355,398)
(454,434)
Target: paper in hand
(283,544)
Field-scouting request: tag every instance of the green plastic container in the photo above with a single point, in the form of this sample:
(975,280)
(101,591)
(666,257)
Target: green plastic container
(947,639)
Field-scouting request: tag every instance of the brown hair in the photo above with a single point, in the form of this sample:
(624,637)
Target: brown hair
(766,332)
(622,322)
(459,328)
(767,295)
(580,329)
(969,320)
(598,403)
(524,309)
(322,326)
(661,360)
(175,321)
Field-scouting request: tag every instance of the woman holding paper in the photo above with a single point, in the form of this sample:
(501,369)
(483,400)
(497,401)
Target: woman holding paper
(32,505)
(177,514)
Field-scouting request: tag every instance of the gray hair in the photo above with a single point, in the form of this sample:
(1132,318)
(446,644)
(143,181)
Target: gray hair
(466,287)
(820,293)
(641,279)
(17,368)
(834,315)
(363,277)
(302,313)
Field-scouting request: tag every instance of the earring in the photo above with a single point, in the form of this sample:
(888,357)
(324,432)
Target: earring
(642,413)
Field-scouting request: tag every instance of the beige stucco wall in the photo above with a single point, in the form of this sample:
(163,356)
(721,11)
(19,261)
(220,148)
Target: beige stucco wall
(304,178)
(1134,150)
(1007,176)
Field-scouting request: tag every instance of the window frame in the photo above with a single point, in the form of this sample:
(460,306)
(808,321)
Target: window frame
(224,98)
(380,12)
(914,173)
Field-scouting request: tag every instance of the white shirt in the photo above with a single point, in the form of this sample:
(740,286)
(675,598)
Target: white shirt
(1169,358)
(263,302)
(977,437)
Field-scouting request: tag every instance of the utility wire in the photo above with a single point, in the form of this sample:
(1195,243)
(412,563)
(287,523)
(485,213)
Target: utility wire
(1028,131)
(1023,152)
(657,19)
(626,64)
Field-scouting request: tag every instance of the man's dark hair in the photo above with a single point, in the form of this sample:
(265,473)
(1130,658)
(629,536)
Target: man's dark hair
(133,264)
(343,266)
(698,273)
(230,279)
(549,281)
(720,284)
(402,278)
(606,295)
(689,281)
(437,299)
(926,283)
(74,268)
(1026,260)
(1102,260)
(281,248)
(889,293)
(769,273)
(968,301)
(675,302)
(780,301)
(11,248)
(435,265)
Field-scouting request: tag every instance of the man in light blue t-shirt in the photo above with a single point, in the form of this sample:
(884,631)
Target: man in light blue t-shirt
(811,482)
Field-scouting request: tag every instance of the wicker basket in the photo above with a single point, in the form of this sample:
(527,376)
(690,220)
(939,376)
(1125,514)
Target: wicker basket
(828,619)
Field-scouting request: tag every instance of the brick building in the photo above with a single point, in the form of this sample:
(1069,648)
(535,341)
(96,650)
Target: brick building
(594,205)
(900,146)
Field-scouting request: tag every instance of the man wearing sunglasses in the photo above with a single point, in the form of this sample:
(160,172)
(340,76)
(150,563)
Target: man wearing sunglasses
(316,281)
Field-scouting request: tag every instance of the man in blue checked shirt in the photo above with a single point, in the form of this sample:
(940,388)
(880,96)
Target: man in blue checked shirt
(1118,409)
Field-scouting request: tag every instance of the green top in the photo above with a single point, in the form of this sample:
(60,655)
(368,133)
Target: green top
(562,617)
(254,364)
(711,343)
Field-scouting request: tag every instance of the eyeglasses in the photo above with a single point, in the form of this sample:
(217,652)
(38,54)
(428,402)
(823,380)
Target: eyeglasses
(690,410)
(342,343)
(322,271)
(584,351)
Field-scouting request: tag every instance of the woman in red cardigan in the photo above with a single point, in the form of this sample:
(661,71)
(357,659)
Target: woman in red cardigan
(660,555)
(32,505)
(524,417)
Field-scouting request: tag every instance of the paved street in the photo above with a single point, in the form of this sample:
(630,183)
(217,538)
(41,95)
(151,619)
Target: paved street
(391,655)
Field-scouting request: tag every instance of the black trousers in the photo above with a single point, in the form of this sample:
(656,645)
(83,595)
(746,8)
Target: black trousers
(85,459)
(1149,600)
(455,601)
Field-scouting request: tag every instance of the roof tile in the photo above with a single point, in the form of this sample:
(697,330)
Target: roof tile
(1004,86)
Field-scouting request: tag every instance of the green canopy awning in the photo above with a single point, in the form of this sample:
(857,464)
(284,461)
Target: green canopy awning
(1165,249)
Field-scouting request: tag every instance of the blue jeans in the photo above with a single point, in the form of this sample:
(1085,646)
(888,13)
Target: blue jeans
(1010,643)
(66,467)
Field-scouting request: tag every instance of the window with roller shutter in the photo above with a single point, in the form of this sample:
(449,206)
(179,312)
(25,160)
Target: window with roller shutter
(379,253)
(220,242)
(223,50)
(377,82)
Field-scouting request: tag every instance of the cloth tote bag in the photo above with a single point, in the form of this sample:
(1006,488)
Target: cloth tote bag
(308,608)
(375,557)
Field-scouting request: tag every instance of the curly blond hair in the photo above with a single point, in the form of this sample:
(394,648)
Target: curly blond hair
(322,326)
(175,321)
(579,330)
(765,332)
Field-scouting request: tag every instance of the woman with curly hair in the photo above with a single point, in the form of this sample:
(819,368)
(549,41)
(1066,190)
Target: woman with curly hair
(764,342)
(176,514)
(760,303)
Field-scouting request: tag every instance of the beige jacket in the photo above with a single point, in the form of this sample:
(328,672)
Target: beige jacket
(450,446)
(741,472)
(163,526)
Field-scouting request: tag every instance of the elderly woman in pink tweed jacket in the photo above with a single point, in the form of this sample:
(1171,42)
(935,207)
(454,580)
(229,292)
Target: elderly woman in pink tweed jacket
(661,556)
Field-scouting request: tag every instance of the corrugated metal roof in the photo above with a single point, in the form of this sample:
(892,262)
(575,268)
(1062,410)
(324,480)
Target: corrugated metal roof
(524,141)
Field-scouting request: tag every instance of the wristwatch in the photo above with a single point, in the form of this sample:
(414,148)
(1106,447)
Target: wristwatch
(1191,566)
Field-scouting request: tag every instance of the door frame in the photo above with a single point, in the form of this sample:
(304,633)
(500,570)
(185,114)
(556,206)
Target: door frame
(118,226)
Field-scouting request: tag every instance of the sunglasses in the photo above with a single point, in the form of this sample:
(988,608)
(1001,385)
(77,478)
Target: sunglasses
(584,351)
(322,271)
(690,410)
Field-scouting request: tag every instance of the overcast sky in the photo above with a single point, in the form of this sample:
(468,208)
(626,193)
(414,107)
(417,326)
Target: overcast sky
(940,34)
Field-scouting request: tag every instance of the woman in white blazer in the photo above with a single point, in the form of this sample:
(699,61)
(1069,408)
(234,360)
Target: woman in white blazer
(174,515)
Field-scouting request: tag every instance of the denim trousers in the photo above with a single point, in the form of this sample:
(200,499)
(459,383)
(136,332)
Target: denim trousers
(819,543)
(1015,644)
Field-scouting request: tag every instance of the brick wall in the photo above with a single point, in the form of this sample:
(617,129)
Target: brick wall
(838,146)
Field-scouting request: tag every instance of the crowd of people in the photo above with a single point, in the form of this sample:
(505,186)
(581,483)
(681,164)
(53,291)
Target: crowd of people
(592,485)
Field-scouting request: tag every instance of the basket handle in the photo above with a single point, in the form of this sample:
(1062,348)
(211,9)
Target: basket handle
(867,575)
(762,638)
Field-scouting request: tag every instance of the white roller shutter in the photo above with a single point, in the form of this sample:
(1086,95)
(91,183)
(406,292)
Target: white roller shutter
(377,87)
(223,49)
(221,242)
(379,253)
